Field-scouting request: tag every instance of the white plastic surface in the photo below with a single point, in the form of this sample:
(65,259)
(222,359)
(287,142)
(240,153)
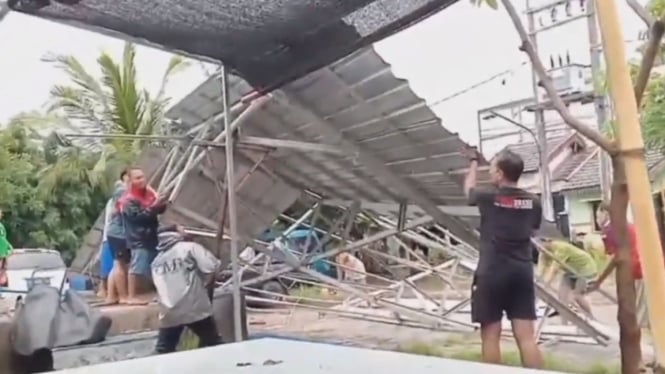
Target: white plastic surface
(279,356)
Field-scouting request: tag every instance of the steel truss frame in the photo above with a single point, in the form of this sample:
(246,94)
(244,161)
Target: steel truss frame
(402,301)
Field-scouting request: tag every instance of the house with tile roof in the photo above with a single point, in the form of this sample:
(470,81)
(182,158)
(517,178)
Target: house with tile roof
(562,150)
(574,167)
(580,185)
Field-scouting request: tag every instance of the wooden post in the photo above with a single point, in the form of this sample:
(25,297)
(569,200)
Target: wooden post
(631,145)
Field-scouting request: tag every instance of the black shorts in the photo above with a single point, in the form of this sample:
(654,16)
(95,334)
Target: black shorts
(509,291)
(119,248)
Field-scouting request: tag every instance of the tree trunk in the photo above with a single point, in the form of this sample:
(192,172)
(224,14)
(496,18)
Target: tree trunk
(629,330)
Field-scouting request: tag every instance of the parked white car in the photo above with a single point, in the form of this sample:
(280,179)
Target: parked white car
(29,267)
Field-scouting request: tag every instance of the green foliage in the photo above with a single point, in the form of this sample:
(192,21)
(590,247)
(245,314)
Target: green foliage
(494,4)
(608,129)
(114,103)
(657,8)
(58,220)
(52,189)
(653,113)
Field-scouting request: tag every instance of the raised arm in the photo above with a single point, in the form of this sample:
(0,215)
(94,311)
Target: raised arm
(480,197)
(134,212)
(471,177)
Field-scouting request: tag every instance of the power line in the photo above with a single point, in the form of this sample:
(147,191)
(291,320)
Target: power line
(475,85)
(495,77)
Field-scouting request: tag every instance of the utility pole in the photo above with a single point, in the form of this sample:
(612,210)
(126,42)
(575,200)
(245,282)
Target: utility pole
(541,133)
(600,98)
(630,140)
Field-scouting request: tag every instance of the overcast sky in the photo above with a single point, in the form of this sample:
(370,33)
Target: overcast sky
(440,56)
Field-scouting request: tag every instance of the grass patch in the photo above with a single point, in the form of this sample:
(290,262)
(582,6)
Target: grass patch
(188,341)
(468,351)
(314,295)
(308,292)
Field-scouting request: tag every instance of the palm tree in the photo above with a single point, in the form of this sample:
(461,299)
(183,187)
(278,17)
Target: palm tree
(112,104)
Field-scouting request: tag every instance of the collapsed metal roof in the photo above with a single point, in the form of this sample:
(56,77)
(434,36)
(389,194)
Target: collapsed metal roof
(371,138)
(266,42)
(261,198)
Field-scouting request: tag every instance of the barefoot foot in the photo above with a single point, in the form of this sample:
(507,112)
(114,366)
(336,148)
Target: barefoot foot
(135,302)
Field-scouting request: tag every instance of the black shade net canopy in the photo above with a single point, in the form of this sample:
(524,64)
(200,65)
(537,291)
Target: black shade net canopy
(267,42)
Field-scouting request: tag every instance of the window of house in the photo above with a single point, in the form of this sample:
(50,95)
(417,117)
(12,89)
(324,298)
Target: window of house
(594,209)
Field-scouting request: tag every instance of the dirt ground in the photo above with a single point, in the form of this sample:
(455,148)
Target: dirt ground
(330,328)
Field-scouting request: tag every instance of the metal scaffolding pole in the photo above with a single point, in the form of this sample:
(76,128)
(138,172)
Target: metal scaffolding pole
(233,219)
(539,114)
(601,104)
(256,103)
(284,234)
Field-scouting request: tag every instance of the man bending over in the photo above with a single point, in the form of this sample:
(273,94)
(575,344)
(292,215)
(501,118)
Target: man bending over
(580,270)
(181,272)
(503,281)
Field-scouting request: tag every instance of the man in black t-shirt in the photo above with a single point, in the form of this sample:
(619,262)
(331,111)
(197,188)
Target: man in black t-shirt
(503,282)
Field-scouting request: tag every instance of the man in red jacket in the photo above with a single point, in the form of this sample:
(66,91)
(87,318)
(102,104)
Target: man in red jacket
(140,207)
(611,247)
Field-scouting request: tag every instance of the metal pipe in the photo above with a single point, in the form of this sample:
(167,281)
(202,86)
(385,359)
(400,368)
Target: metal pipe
(233,218)
(545,183)
(479,123)
(181,177)
(286,232)
(600,100)
(255,105)
(169,166)
(335,251)
(413,278)
(191,148)
(540,139)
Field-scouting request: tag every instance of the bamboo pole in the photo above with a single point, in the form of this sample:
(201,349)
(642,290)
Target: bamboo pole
(631,147)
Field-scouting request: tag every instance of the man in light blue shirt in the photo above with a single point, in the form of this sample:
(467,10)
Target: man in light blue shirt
(114,237)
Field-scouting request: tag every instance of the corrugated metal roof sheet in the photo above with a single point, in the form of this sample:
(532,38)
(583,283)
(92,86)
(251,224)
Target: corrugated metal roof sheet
(361,98)
(200,203)
(368,106)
